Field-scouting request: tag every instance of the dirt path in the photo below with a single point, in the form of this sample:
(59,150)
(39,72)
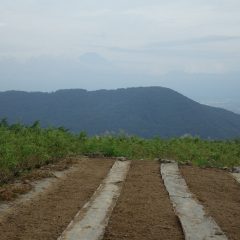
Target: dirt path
(143,210)
(47,217)
(195,222)
(220,195)
(91,221)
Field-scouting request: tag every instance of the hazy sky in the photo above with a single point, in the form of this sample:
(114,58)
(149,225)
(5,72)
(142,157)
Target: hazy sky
(52,44)
(194,36)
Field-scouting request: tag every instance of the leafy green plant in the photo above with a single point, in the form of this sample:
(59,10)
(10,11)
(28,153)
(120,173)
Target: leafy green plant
(23,148)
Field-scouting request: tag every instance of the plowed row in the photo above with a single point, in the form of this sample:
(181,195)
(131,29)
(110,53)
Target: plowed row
(143,210)
(47,217)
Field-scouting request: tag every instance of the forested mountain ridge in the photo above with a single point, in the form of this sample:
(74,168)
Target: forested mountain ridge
(144,111)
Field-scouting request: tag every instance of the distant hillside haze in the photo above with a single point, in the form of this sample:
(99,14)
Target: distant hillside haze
(146,112)
(93,71)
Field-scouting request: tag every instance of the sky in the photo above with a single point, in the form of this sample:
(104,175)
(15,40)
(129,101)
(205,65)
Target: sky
(51,44)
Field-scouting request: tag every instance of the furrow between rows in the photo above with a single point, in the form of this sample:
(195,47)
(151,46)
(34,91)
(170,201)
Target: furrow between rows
(197,225)
(91,220)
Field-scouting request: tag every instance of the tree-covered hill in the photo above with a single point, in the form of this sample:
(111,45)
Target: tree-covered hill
(147,112)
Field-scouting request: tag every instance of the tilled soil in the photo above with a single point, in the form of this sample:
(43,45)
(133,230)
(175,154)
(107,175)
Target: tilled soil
(143,210)
(22,184)
(46,218)
(219,193)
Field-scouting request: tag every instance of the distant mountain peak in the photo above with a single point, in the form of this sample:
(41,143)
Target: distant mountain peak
(92,57)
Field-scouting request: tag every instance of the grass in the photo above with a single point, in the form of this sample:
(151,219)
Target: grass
(198,152)
(23,148)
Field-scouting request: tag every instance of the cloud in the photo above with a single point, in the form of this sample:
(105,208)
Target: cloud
(194,41)
(144,35)
(179,43)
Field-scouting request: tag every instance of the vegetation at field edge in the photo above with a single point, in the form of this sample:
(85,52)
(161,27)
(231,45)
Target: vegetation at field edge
(23,148)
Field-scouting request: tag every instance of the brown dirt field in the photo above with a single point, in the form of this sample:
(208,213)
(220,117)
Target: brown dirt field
(48,216)
(23,183)
(143,210)
(219,193)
